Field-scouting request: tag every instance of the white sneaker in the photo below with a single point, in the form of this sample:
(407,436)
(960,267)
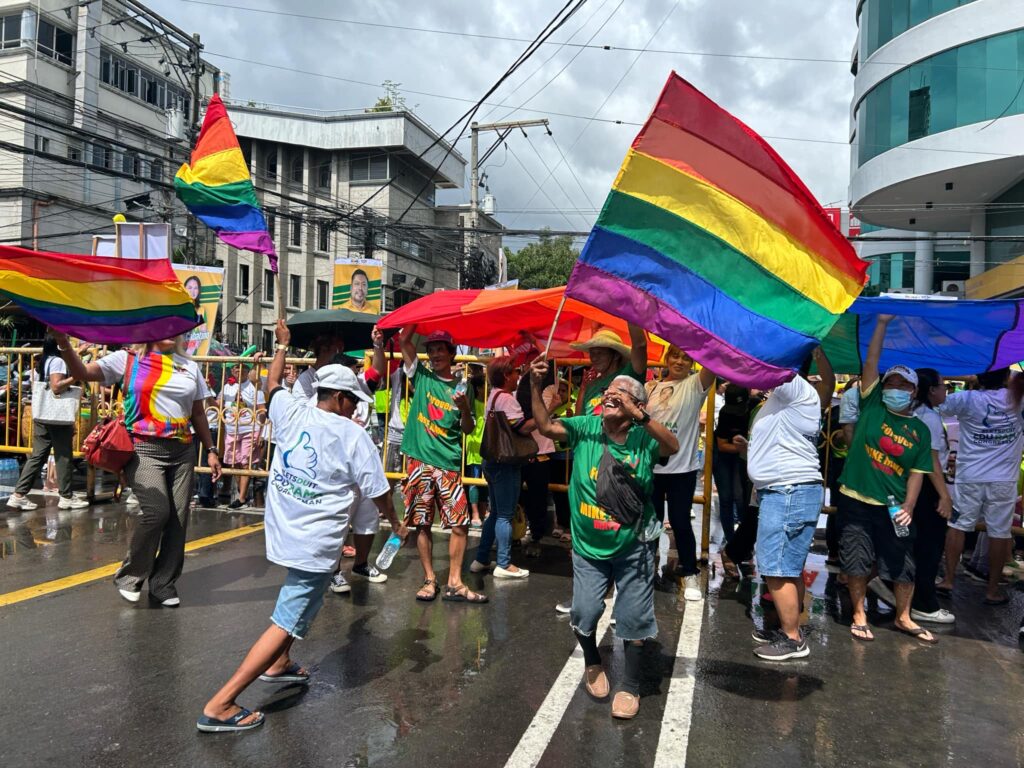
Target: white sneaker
(339,585)
(941,616)
(72,503)
(21,502)
(477,567)
(691,588)
(505,573)
(131,500)
(171,602)
(131,597)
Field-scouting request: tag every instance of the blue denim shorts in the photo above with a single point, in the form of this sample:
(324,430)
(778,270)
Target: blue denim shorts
(299,601)
(787,518)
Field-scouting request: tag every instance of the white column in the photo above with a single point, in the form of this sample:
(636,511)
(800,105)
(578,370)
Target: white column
(924,265)
(979,250)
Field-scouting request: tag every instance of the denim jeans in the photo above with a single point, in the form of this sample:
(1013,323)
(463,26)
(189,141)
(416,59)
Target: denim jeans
(787,517)
(503,483)
(633,575)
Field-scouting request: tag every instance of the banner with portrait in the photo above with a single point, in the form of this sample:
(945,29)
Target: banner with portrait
(204,285)
(357,285)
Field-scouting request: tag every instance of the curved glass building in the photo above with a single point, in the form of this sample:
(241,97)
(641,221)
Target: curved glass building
(937,143)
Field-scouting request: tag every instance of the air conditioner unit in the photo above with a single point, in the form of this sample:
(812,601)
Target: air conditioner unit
(954,286)
(176,124)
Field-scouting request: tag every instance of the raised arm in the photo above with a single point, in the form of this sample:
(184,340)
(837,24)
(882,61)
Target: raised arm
(638,353)
(283,336)
(869,373)
(77,370)
(541,415)
(379,362)
(408,348)
(668,444)
(827,386)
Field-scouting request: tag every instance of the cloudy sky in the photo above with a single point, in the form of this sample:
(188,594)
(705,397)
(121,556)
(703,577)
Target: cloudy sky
(745,54)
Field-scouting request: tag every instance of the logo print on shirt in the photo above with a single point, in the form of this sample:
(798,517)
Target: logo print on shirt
(301,457)
(435,413)
(890,446)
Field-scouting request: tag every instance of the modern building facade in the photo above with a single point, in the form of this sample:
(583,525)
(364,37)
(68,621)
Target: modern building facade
(339,185)
(936,154)
(95,100)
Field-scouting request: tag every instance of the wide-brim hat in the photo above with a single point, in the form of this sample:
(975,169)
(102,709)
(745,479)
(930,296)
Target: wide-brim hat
(606,338)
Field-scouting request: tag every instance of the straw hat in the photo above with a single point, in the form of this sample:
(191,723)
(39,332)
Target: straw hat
(606,338)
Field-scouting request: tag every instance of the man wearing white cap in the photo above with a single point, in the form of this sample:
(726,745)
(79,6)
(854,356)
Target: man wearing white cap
(324,463)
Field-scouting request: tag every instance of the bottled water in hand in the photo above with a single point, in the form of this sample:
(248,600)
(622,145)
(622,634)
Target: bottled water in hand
(388,552)
(894,509)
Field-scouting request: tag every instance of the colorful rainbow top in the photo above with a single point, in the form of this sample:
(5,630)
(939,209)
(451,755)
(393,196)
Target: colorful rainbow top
(709,240)
(218,190)
(96,298)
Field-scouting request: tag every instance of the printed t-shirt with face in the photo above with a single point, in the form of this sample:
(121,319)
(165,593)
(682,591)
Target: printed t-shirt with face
(991,435)
(593,393)
(160,392)
(783,446)
(886,449)
(324,466)
(244,401)
(595,533)
(676,404)
(433,434)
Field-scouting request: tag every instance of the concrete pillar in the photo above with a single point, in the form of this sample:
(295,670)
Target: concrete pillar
(979,251)
(924,265)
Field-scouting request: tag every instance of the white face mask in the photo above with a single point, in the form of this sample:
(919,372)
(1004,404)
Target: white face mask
(896,399)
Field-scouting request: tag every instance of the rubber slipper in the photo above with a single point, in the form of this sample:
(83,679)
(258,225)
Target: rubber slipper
(862,628)
(433,595)
(292,674)
(998,601)
(213,725)
(918,633)
(463,595)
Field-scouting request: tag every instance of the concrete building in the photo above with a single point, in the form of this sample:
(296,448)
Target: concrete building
(481,264)
(94,103)
(314,171)
(935,129)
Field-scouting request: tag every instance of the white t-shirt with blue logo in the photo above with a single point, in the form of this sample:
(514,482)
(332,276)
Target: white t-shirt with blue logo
(323,466)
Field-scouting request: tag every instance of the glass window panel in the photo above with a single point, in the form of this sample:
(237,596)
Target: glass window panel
(943,92)
(970,83)
(1001,75)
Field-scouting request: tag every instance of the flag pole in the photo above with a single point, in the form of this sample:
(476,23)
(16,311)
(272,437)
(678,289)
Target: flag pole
(280,295)
(551,333)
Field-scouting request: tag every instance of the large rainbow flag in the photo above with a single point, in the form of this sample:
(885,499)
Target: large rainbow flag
(218,190)
(95,298)
(710,240)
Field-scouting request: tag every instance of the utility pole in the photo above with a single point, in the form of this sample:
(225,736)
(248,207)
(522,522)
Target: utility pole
(503,129)
(195,62)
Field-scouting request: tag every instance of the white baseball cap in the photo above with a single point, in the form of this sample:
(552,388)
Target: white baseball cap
(902,370)
(340,378)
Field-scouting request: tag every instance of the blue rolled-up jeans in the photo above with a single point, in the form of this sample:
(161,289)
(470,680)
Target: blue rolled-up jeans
(503,485)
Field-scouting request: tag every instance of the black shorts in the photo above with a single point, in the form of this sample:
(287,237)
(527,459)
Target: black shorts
(868,538)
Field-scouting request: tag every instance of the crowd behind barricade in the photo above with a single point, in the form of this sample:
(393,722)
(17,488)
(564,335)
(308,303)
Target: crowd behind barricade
(604,457)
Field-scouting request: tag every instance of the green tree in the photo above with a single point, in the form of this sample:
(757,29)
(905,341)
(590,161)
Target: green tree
(543,264)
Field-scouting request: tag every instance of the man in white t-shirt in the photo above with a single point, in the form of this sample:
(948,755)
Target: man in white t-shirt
(783,464)
(324,465)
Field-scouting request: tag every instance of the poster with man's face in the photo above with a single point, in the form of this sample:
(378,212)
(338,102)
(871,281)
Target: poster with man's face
(204,285)
(357,285)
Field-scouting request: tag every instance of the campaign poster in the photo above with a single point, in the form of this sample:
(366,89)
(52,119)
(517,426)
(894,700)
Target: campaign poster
(357,285)
(204,285)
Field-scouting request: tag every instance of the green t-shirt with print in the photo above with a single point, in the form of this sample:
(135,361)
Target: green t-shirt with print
(476,437)
(432,432)
(595,533)
(594,391)
(885,449)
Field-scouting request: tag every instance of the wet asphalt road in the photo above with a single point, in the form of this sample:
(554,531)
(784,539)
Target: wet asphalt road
(90,680)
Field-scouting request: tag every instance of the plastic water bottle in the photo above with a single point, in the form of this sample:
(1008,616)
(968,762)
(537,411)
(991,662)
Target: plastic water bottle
(388,552)
(894,509)
(462,386)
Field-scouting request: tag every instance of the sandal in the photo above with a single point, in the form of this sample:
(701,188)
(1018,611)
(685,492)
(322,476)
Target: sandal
(233,723)
(425,598)
(293,673)
(461,594)
(918,633)
(1003,600)
(866,635)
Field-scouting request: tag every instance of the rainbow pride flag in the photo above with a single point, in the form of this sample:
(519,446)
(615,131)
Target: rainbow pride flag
(709,240)
(218,190)
(95,298)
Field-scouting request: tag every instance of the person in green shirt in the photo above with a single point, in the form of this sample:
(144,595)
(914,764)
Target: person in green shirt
(889,455)
(610,357)
(474,463)
(605,552)
(439,415)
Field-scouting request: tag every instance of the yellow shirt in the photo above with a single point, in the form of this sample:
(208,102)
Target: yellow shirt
(370,307)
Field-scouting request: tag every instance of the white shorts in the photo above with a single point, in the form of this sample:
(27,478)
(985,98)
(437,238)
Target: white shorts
(992,502)
(365,518)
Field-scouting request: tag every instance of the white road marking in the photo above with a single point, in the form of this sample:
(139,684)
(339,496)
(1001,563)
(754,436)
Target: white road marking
(675,724)
(538,735)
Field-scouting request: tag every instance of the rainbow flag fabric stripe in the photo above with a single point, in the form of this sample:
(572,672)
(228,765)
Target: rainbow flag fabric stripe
(217,188)
(98,299)
(709,240)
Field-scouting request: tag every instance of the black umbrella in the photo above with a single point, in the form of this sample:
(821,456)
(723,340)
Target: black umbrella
(354,327)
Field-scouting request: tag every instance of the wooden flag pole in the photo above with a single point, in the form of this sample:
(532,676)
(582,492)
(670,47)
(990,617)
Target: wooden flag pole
(281,315)
(551,333)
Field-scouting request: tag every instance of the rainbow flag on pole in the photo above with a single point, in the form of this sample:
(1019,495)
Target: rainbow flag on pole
(96,298)
(217,187)
(709,240)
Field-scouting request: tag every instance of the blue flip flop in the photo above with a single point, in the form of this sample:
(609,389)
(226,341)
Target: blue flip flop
(213,725)
(290,675)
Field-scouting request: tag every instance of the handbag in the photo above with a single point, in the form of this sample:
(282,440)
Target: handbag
(501,444)
(50,408)
(618,492)
(109,446)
